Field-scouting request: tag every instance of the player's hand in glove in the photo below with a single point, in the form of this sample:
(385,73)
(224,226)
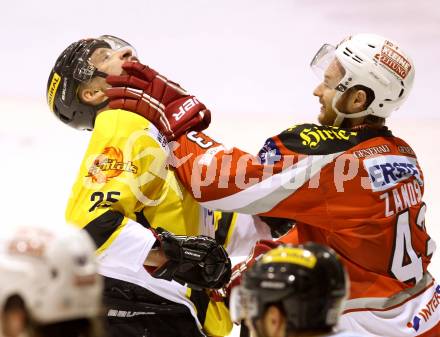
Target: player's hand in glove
(198,261)
(164,103)
(260,248)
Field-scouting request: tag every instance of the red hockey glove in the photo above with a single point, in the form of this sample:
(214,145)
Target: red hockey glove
(164,103)
(260,248)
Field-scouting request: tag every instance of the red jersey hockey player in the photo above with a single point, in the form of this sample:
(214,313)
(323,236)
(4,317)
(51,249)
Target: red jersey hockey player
(349,183)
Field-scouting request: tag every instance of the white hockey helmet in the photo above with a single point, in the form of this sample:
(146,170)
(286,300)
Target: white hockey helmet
(371,61)
(53,270)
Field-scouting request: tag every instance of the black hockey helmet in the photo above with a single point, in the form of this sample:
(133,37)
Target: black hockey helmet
(71,68)
(308,282)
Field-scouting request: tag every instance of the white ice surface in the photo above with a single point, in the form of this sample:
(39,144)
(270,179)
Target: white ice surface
(246,59)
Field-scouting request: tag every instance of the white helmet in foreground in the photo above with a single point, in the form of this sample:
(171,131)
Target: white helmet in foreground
(52,270)
(374,62)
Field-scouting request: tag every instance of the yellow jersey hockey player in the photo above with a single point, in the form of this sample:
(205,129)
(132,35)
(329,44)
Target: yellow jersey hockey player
(128,200)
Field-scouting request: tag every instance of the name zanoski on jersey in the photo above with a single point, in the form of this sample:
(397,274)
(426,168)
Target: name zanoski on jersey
(405,196)
(109,164)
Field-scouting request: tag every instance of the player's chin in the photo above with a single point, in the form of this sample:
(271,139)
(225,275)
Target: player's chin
(322,118)
(326,118)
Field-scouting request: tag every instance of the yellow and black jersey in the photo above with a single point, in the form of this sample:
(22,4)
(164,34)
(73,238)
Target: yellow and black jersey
(124,186)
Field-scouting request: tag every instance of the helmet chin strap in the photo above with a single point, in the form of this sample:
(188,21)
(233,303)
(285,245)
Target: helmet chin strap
(101,105)
(340,116)
(99,73)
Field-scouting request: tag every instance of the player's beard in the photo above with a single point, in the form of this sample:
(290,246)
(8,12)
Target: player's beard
(326,116)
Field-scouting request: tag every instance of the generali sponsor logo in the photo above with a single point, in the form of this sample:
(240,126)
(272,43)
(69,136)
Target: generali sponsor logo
(371,151)
(393,60)
(406,150)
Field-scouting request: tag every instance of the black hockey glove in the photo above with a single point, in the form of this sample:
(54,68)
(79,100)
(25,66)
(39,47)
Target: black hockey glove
(198,261)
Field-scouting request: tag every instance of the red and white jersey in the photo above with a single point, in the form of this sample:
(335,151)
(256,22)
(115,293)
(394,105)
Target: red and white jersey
(358,191)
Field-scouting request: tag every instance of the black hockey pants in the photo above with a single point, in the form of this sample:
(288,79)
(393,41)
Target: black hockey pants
(133,311)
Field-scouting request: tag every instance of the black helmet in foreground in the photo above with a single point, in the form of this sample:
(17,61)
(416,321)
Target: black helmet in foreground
(307,282)
(72,68)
